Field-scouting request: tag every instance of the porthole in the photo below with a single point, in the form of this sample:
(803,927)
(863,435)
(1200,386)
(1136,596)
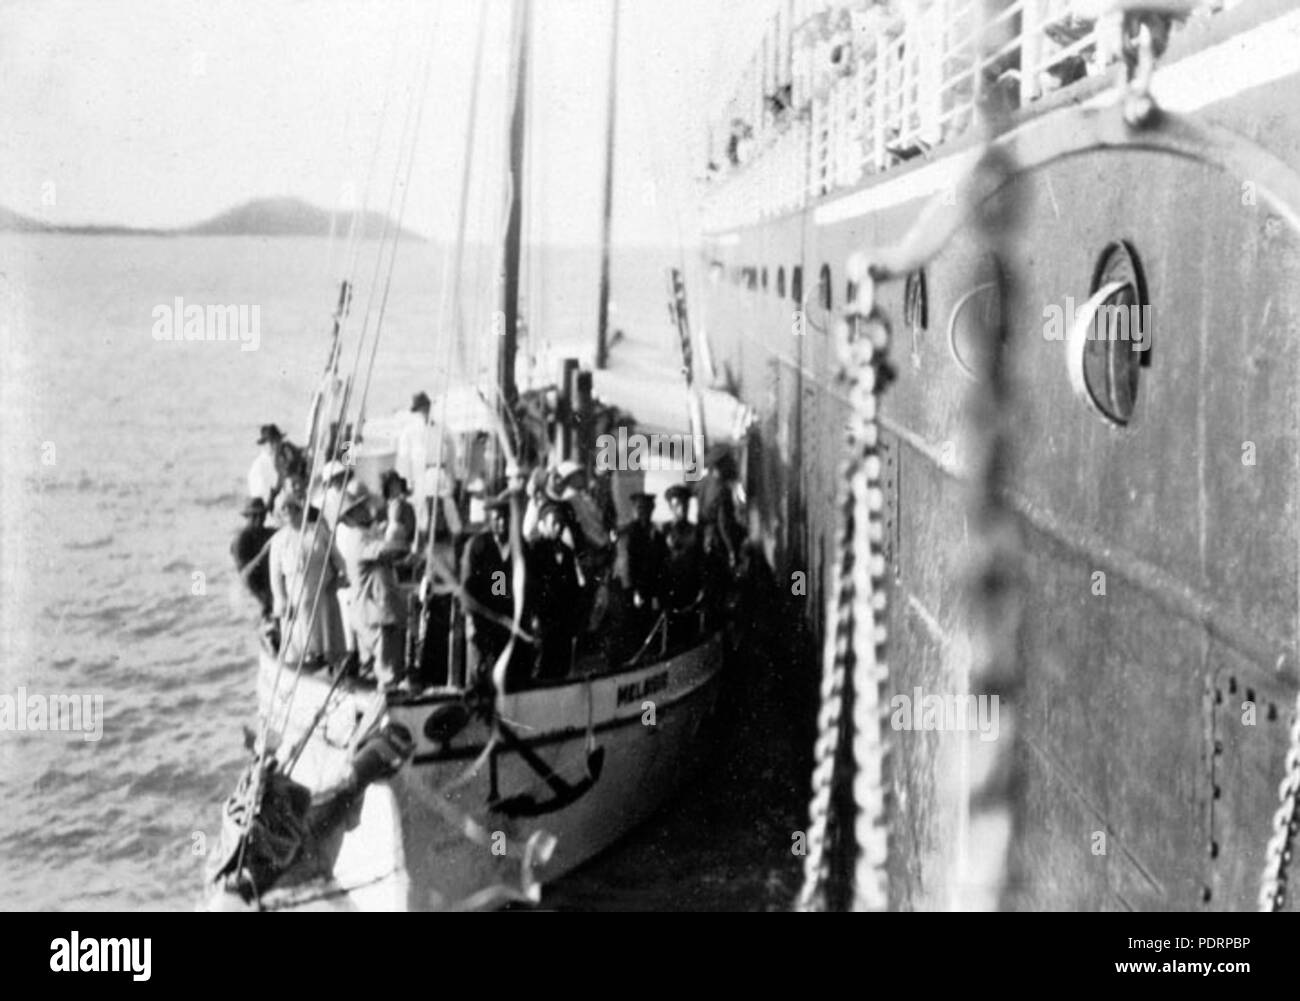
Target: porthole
(824,291)
(796,284)
(850,292)
(764,280)
(1109,340)
(780,282)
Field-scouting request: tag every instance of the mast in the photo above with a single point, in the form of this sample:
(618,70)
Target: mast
(514,228)
(602,319)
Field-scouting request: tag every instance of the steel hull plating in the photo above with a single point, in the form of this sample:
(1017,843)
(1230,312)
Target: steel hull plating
(1152,726)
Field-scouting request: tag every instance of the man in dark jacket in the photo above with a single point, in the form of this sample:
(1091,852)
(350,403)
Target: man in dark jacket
(250,549)
(486,577)
(643,556)
(684,568)
(554,593)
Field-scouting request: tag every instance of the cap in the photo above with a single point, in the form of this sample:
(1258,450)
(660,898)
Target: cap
(332,469)
(501,502)
(269,432)
(421,401)
(677,490)
(642,498)
(254,506)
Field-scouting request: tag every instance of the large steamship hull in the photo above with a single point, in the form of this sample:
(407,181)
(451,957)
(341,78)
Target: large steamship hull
(1133,722)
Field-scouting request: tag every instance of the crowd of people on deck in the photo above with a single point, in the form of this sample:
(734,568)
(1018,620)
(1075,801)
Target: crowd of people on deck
(369,582)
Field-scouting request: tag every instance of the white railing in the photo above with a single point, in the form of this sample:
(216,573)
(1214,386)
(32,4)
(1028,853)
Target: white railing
(869,87)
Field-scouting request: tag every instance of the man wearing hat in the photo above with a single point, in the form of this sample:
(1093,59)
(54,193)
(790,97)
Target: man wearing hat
(306,572)
(251,552)
(487,580)
(328,496)
(400,517)
(722,531)
(684,564)
(641,558)
(263,475)
(644,554)
(421,448)
(378,607)
(554,605)
(564,484)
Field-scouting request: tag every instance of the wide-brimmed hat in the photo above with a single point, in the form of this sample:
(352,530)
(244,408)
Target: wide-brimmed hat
(356,495)
(421,401)
(269,432)
(254,506)
(332,469)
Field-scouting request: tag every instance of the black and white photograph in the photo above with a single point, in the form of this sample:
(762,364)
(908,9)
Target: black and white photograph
(651,456)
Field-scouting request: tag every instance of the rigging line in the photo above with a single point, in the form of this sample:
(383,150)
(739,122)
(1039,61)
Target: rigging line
(462,215)
(397,239)
(255,789)
(316,525)
(391,233)
(453,266)
(334,206)
(355,241)
(361,211)
(427,62)
(342,412)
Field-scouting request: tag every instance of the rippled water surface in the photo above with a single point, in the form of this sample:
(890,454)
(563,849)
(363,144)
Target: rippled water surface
(124,465)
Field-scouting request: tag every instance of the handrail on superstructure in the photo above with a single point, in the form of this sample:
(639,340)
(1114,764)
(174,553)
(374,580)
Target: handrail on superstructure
(846,90)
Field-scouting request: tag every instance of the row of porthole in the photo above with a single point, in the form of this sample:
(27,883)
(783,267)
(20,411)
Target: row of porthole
(756,279)
(1102,374)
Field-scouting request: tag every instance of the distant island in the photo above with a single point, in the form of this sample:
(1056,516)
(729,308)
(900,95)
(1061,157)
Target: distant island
(260,217)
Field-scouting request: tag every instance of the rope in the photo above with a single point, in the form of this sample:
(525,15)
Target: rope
(264,750)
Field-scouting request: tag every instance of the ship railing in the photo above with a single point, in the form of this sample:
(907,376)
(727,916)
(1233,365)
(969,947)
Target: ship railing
(907,85)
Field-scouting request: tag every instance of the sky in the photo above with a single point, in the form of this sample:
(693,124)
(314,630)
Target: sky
(166,112)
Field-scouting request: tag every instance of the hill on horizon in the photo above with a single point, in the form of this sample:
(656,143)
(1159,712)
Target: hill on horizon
(258,217)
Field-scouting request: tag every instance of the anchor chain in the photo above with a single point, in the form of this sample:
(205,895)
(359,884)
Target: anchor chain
(856,617)
(992,577)
(1286,822)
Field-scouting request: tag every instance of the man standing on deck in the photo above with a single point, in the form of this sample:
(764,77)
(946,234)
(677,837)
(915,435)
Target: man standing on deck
(486,578)
(418,459)
(554,594)
(263,475)
(684,566)
(722,532)
(378,606)
(251,552)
